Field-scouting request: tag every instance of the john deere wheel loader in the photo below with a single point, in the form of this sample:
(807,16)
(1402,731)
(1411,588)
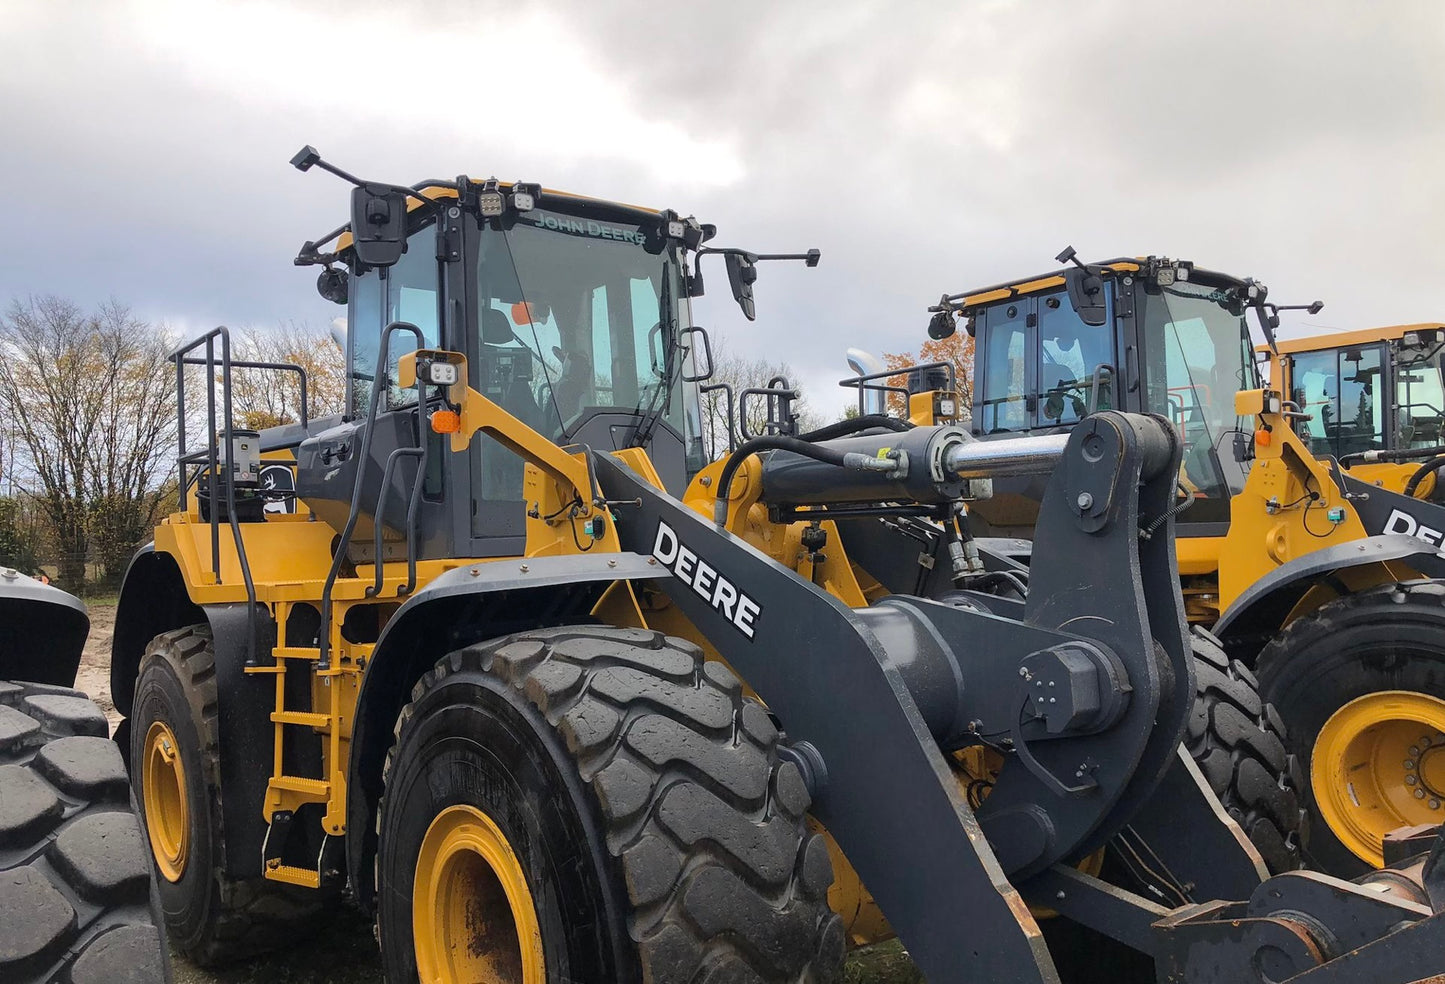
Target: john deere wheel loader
(1303,568)
(1375,399)
(76,899)
(560,701)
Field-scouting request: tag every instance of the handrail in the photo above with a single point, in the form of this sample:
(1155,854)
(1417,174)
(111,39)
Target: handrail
(859,382)
(728,392)
(383,358)
(277,366)
(411,506)
(212,464)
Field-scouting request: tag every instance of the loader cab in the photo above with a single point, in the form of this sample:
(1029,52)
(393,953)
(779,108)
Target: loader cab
(1370,390)
(574,317)
(1171,340)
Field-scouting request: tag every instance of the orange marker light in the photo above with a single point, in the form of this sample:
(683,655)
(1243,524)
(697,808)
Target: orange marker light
(1261,438)
(446,421)
(521,313)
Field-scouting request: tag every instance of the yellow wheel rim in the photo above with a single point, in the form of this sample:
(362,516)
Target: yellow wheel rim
(472,918)
(167,811)
(1378,765)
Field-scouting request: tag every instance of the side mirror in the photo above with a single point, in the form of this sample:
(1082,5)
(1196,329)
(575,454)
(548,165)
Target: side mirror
(742,274)
(378,224)
(702,366)
(1086,295)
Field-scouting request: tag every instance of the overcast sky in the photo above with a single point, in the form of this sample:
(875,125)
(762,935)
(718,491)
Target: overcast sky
(923,147)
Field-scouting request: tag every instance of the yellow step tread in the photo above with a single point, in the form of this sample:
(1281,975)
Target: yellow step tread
(304,877)
(299,784)
(306,718)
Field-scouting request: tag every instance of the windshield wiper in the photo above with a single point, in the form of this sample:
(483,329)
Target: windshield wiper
(671,362)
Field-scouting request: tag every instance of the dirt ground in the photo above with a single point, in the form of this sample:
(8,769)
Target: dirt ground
(346,953)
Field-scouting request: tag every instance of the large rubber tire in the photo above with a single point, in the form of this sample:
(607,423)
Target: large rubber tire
(76,898)
(1386,638)
(660,833)
(1239,743)
(212,918)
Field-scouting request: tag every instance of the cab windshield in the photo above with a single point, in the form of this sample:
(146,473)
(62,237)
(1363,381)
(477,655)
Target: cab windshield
(1198,356)
(578,313)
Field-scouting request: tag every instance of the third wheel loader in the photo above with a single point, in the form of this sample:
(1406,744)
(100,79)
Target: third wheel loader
(557,699)
(1312,556)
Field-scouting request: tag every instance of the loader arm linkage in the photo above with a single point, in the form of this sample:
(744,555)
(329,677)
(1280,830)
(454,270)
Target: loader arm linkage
(1087,693)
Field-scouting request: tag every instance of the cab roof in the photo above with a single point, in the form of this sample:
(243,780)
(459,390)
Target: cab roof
(1038,283)
(439,191)
(1363,336)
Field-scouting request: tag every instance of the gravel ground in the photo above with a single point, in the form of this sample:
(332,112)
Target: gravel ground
(346,953)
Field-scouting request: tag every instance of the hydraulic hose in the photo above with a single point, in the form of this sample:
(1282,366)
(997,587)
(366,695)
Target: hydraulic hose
(1434,464)
(1398,454)
(766,442)
(867,421)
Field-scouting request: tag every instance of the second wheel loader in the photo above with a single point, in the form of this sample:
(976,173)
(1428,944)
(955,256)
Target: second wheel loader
(1323,579)
(558,700)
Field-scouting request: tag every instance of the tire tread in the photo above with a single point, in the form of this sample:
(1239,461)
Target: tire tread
(701,818)
(75,876)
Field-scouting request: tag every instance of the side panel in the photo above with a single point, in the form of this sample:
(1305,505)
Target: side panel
(466,605)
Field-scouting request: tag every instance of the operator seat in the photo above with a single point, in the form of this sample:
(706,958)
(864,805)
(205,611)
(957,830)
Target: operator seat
(505,376)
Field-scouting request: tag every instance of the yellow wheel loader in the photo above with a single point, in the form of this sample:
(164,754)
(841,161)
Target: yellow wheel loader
(557,699)
(1321,579)
(1375,400)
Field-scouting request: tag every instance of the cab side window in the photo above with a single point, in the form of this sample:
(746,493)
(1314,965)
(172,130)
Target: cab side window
(1005,370)
(1071,355)
(407,292)
(1343,391)
(1041,365)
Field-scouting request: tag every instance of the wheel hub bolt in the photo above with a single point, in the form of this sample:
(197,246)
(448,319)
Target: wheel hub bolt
(1409,763)
(1410,780)
(1434,804)
(1419,794)
(1414,749)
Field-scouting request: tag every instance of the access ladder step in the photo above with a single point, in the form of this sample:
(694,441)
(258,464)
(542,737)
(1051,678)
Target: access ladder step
(310,653)
(292,875)
(304,718)
(318,789)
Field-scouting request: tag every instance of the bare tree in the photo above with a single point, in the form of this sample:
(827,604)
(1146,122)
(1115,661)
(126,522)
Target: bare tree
(89,399)
(743,373)
(134,456)
(265,398)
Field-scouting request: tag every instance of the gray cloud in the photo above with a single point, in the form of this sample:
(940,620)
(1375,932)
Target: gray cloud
(923,146)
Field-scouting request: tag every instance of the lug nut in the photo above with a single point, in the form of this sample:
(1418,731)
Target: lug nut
(1414,750)
(1410,780)
(1409,763)
(1434,804)
(1419,794)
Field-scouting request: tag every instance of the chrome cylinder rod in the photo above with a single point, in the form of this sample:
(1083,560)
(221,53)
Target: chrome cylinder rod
(1006,456)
